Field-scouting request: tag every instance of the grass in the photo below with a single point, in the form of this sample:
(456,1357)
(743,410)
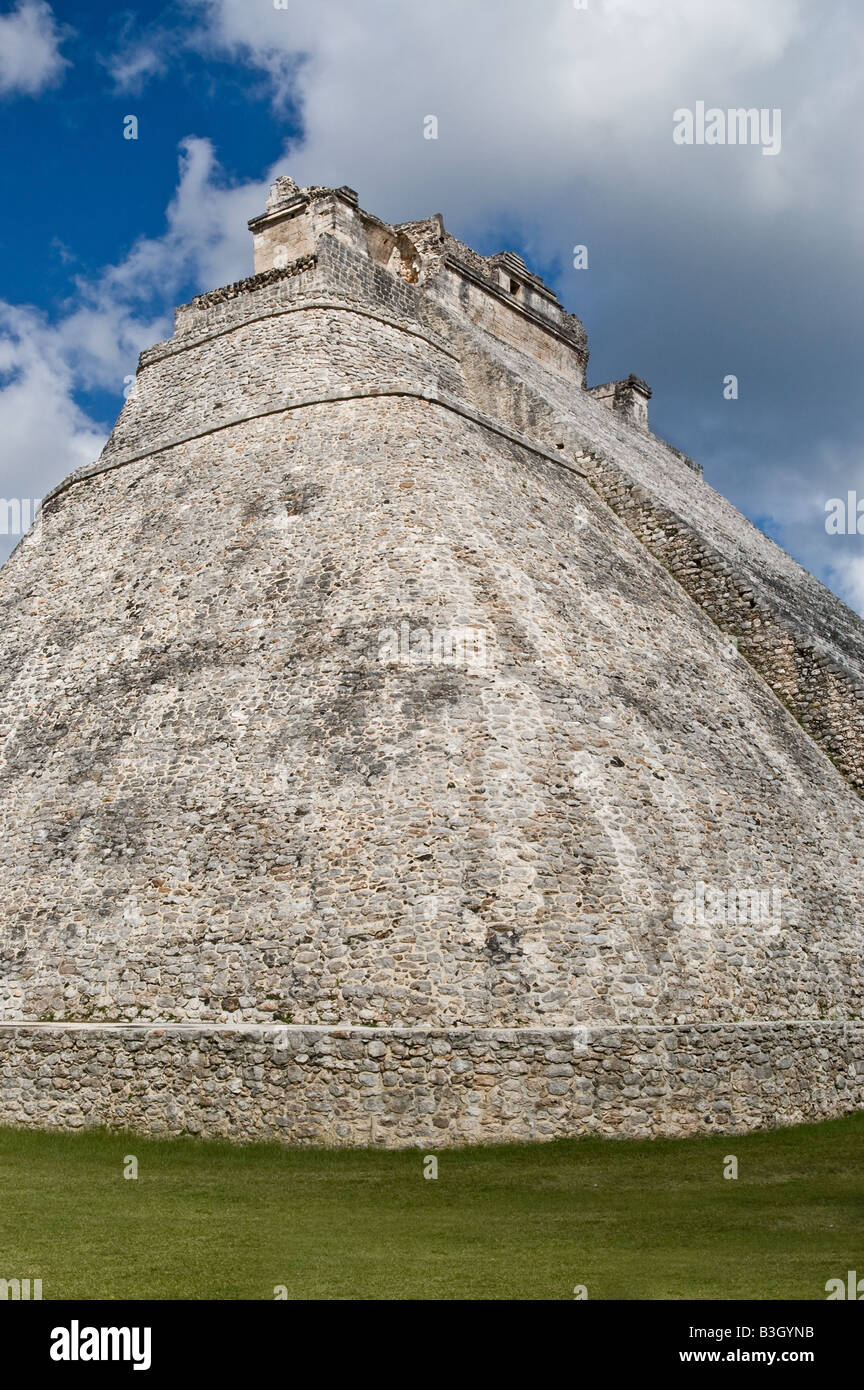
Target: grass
(627,1219)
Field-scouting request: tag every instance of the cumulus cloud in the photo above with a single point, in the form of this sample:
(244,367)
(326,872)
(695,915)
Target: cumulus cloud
(30,58)
(205,243)
(45,434)
(528,97)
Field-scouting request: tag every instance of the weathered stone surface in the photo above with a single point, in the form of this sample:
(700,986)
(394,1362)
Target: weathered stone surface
(222,803)
(238,1082)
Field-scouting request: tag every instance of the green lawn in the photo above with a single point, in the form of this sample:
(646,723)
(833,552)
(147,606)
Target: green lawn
(636,1220)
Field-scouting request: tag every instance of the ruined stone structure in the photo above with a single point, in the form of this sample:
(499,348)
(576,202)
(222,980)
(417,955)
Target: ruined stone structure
(402,744)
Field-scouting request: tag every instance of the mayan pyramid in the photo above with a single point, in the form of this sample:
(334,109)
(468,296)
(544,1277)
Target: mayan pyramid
(402,744)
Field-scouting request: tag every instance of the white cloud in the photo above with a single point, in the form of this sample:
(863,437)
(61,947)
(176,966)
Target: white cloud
(30,58)
(127,307)
(132,65)
(45,434)
(528,97)
(143,51)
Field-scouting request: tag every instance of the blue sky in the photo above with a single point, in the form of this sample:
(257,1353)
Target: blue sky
(555,129)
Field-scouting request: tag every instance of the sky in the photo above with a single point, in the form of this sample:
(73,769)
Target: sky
(556,127)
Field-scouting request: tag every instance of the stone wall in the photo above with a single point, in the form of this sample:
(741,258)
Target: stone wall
(825,696)
(747,585)
(222,805)
(799,636)
(236,810)
(403,1087)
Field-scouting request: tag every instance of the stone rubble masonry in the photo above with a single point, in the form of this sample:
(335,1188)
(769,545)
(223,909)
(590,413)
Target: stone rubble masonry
(223,812)
(629,397)
(815,680)
(396,1088)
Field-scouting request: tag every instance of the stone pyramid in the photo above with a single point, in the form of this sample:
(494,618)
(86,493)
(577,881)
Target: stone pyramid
(402,744)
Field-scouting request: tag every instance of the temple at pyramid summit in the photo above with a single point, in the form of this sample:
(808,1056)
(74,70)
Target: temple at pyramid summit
(401,744)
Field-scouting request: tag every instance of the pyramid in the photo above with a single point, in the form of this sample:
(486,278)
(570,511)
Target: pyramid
(402,744)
